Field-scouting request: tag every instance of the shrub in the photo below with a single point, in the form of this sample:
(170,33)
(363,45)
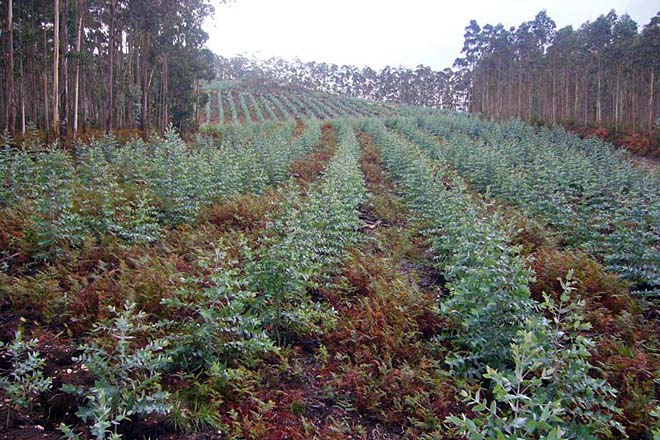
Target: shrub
(126,361)
(217,325)
(24,380)
(550,392)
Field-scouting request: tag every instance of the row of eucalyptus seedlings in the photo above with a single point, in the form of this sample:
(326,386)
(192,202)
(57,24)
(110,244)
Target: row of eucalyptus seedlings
(533,357)
(340,103)
(274,161)
(360,107)
(280,108)
(302,111)
(313,105)
(289,106)
(310,106)
(325,109)
(226,329)
(268,106)
(212,346)
(587,191)
(221,108)
(207,110)
(220,330)
(329,102)
(133,191)
(244,108)
(208,350)
(232,108)
(346,108)
(255,106)
(307,243)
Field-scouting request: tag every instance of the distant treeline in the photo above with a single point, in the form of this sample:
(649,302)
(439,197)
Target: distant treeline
(605,73)
(418,86)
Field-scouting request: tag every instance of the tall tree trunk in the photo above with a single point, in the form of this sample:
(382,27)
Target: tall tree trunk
(616,99)
(46,106)
(11,108)
(634,104)
(165,112)
(33,82)
(520,91)
(45,75)
(76,86)
(566,116)
(196,101)
(599,97)
(554,101)
(530,78)
(576,98)
(651,93)
(22,97)
(111,51)
(84,93)
(64,123)
(56,66)
(586,99)
(145,85)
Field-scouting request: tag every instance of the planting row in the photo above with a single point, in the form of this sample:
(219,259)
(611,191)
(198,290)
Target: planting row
(309,241)
(186,359)
(243,106)
(542,368)
(63,198)
(585,190)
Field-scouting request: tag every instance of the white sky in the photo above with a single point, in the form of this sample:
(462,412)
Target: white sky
(386,32)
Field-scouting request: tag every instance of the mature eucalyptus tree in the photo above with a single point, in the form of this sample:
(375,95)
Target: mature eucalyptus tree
(102,64)
(56,67)
(10,111)
(80,15)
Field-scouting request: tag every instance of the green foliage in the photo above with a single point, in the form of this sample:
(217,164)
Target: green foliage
(291,108)
(542,385)
(313,106)
(221,109)
(486,278)
(550,392)
(244,108)
(126,361)
(232,109)
(268,107)
(133,191)
(218,327)
(309,241)
(207,109)
(280,107)
(255,106)
(656,431)
(6,174)
(583,188)
(24,380)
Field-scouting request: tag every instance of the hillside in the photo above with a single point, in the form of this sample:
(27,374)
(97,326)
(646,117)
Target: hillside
(391,273)
(241,102)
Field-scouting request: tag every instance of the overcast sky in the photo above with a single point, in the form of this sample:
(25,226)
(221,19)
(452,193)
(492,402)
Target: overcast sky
(384,32)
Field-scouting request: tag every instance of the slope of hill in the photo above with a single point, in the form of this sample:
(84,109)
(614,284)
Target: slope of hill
(309,276)
(241,102)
